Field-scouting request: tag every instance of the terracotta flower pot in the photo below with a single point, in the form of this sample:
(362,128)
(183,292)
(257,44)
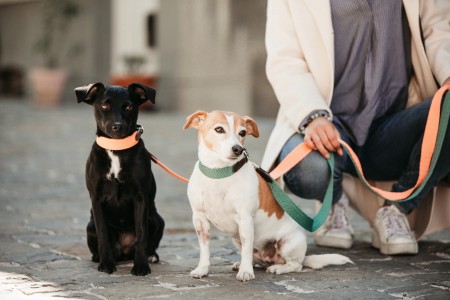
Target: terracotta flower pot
(48,86)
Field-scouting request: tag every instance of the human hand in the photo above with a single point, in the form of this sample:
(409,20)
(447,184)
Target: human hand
(322,135)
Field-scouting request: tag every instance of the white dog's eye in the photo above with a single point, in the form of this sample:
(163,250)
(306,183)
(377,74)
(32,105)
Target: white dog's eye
(242,133)
(219,129)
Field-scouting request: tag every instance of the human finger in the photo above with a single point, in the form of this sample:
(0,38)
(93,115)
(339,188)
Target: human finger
(319,145)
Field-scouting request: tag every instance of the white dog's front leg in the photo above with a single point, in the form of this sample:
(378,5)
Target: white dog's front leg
(247,234)
(202,228)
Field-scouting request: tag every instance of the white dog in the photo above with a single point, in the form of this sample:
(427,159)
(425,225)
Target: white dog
(241,204)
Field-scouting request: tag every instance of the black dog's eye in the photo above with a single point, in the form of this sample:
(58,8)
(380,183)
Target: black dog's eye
(105,106)
(128,107)
(242,133)
(219,129)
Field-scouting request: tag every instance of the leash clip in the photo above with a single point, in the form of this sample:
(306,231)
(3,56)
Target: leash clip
(140,131)
(245,153)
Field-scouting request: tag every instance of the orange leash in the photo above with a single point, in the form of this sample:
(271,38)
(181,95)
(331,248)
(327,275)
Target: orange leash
(293,158)
(167,169)
(428,146)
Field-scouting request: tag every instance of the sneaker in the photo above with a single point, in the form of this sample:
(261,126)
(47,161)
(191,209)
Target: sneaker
(392,234)
(336,232)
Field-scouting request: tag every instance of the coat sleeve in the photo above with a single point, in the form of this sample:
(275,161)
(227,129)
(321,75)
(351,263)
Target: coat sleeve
(435,21)
(287,68)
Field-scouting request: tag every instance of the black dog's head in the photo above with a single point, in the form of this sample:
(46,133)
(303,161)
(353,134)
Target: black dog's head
(115,107)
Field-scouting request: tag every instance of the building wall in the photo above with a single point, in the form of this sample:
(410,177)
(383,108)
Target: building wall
(213,56)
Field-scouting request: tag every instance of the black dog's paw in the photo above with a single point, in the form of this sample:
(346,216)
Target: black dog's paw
(107,267)
(153,258)
(141,269)
(95,258)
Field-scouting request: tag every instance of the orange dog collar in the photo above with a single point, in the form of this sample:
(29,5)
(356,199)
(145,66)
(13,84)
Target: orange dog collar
(120,144)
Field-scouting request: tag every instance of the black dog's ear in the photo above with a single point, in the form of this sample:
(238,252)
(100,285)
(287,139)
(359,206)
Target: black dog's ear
(89,93)
(142,92)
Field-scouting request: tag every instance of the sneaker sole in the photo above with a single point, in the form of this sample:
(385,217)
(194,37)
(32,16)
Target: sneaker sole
(393,249)
(330,242)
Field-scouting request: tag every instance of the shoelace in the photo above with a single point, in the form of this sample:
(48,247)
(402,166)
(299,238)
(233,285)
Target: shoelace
(394,222)
(339,216)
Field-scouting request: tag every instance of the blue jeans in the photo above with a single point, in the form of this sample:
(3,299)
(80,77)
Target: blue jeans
(391,152)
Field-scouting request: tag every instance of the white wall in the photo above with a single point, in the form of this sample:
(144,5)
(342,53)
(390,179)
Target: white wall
(204,62)
(129,34)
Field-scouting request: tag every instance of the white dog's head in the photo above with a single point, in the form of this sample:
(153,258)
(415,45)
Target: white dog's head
(221,134)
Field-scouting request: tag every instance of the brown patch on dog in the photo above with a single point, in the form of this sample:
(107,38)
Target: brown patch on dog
(196,119)
(202,231)
(266,200)
(203,234)
(269,254)
(251,126)
(205,125)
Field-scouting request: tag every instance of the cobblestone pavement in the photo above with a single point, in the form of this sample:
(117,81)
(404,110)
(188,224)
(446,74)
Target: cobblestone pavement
(44,208)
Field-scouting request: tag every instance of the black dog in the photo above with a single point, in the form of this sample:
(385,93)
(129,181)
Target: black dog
(124,222)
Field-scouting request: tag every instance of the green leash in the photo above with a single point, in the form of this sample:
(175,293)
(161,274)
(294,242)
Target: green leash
(310,224)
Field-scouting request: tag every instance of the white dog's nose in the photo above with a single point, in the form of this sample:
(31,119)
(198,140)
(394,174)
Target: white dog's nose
(237,150)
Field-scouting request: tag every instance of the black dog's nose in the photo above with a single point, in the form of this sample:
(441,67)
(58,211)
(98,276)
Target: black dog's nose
(116,127)
(237,150)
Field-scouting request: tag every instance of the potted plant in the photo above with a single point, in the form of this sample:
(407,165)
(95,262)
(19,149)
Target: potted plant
(53,47)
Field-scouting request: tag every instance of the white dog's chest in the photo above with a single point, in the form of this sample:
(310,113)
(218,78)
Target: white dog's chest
(219,210)
(223,200)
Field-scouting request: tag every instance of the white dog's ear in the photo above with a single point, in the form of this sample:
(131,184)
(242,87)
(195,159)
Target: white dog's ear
(251,126)
(196,119)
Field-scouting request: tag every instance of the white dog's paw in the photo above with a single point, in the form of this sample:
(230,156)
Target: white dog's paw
(245,275)
(200,272)
(275,269)
(286,268)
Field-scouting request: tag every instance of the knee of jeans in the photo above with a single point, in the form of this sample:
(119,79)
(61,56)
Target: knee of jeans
(309,179)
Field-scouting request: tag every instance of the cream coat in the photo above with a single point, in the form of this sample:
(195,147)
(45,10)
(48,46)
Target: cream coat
(300,67)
